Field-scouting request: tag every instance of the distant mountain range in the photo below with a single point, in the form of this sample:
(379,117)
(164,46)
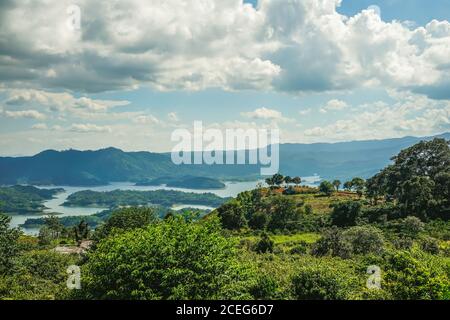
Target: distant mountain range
(88,168)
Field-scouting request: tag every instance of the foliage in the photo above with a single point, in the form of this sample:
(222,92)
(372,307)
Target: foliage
(321,282)
(172,259)
(118,198)
(24,199)
(327,188)
(346,214)
(409,277)
(9,247)
(265,244)
(411,227)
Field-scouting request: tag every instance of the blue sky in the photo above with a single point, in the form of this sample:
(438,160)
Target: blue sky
(128,82)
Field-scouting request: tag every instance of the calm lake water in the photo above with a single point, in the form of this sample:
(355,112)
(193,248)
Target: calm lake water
(232,189)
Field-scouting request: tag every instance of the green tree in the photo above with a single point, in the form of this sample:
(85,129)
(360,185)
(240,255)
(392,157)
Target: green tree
(171,259)
(297,181)
(365,239)
(265,244)
(346,214)
(358,184)
(287,180)
(411,227)
(348,186)
(232,215)
(9,247)
(283,213)
(81,231)
(337,184)
(126,219)
(326,187)
(278,179)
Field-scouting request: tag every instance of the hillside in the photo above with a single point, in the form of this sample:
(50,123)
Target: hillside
(90,168)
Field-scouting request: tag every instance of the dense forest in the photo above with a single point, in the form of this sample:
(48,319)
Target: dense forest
(25,199)
(119,198)
(188,182)
(387,237)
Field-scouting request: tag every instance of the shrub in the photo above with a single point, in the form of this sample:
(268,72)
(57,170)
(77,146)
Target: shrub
(232,215)
(346,214)
(407,278)
(265,244)
(321,282)
(411,227)
(171,259)
(430,245)
(365,239)
(403,243)
(332,243)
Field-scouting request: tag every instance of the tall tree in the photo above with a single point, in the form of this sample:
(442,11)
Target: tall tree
(337,184)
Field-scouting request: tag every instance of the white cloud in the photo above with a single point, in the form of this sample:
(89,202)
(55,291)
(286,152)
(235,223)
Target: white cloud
(411,115)
(146,119)
(82,107)
(31,114)
(88,127)
(264,114)
(295,46)
(39,126)
(334,105)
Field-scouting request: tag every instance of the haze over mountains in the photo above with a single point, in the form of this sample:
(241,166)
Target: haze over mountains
(87,168)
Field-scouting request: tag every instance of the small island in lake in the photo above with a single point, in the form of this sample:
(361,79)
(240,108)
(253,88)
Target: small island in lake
(25,199)
(188,182)
(119,198)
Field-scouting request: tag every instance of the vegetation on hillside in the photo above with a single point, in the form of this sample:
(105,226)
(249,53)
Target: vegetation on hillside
(187,182)
(117,198)
(385,238)
(25,199)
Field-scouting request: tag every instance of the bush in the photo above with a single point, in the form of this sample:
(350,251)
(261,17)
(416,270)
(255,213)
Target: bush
(430,245)
(126,219)
(265,244)
(403,243)
(321,282)
(408,278)
(346,214)
(284,214)
(332,243)
(232,215)
(171,259)
(9,247)
(265,288)
(301,248)
(365,239)
(411,227)
(258,221)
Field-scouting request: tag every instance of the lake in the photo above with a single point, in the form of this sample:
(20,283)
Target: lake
(232,189)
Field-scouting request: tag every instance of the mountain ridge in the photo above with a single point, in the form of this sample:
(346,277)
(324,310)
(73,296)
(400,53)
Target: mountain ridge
(340,160)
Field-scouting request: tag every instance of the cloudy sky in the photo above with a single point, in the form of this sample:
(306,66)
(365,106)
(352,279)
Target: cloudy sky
(135,70)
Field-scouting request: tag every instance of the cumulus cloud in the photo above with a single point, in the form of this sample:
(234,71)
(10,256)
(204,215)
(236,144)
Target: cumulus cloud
(61,102)
(294,46)
(263,113)
(412,114)
(30,114)
(40,126)
(146,119)
(334,105)
(88,127)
